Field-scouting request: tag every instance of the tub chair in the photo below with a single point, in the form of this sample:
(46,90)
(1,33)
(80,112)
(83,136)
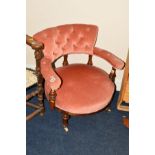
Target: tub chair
(73,89)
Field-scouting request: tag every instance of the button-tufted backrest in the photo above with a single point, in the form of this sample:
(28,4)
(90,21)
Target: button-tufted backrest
(65,39)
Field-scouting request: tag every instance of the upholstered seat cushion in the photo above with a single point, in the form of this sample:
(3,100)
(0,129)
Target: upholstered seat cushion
(85,89)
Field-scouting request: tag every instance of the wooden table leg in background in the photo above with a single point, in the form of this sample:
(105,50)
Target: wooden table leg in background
(37,107)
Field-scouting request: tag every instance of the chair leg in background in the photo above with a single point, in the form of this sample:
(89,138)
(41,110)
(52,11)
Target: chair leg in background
(37,108)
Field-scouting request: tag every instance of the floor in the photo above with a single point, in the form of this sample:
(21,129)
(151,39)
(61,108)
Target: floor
(98,134)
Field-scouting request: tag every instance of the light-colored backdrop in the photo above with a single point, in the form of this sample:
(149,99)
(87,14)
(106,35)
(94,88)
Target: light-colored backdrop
(111,16)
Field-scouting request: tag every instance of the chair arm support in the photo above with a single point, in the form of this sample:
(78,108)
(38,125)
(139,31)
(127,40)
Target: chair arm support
(33,43)
(109,57)
(50,76)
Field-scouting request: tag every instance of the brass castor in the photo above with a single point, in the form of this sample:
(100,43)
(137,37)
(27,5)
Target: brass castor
(66,129)
(108,109)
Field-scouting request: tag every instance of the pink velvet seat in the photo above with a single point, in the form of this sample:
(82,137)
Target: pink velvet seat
(85,89)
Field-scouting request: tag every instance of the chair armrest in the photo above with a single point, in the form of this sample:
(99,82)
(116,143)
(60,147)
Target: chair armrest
(50,76)
(109,57)
(33,43)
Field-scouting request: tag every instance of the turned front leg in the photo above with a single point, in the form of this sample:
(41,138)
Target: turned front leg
(52,98)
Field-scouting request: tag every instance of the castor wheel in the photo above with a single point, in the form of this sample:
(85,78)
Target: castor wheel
(66,129)
(108,109)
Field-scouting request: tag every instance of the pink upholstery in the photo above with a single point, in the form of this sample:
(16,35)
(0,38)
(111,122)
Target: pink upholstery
(51,78)
(64,39)
(82,89)
(111,58)
(85,89)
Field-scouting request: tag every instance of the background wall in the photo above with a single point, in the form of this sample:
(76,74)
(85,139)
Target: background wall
(111,16)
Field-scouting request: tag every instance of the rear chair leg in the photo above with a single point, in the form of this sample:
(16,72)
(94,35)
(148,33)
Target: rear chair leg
(65,118)
(112,74)
(90,62)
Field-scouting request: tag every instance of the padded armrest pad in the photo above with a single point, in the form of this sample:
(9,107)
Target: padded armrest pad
(111,58)
(51,78)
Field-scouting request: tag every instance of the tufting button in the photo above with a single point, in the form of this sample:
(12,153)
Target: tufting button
(87,29)
(57,42)
(81,39)
(68,39)
(86,46)
(74,46)
(54,53)
(63,48)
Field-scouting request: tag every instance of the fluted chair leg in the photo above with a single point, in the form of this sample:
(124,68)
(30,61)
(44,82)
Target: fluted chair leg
(65,118)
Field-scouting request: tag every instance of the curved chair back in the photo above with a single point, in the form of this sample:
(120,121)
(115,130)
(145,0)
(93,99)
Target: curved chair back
(66,39)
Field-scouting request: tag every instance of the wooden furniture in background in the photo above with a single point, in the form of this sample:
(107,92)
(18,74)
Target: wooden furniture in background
(124,93)
(39,107)
(31,80)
